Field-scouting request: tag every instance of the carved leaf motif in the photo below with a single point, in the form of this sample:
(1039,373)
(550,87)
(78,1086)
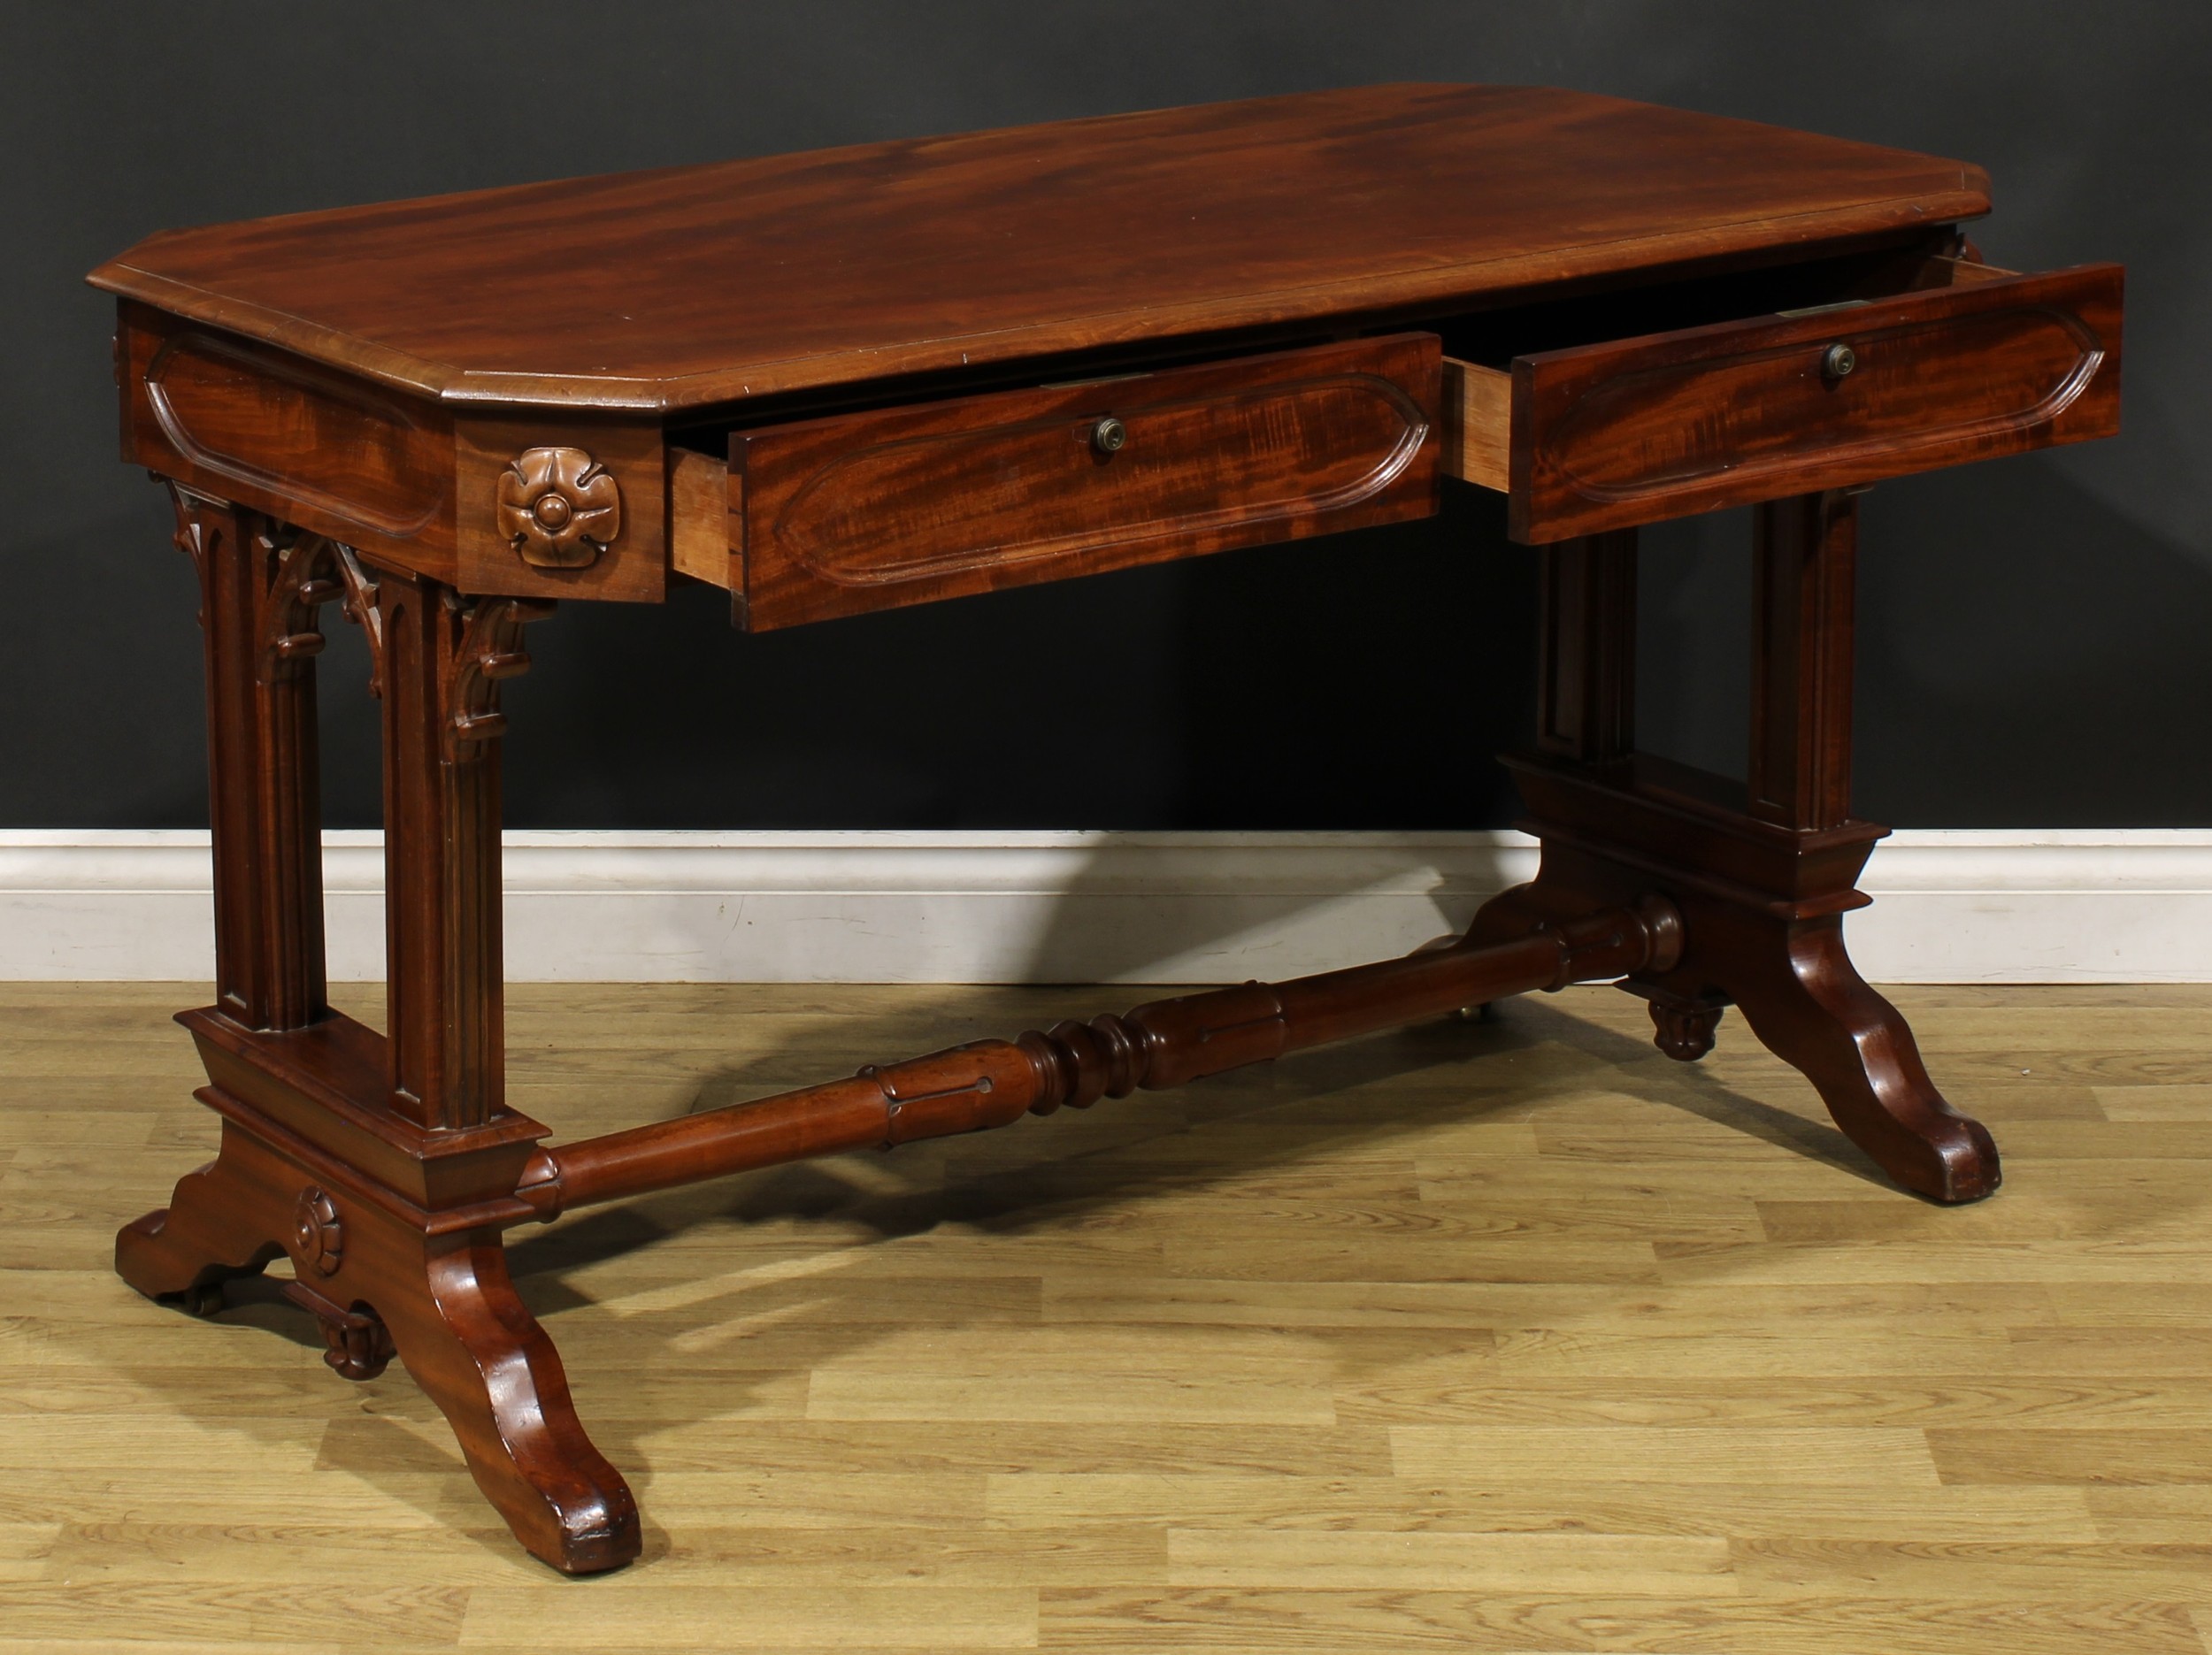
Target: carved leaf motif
(488,650)
(199,524)
(359,604)
(559,508)
(303,580)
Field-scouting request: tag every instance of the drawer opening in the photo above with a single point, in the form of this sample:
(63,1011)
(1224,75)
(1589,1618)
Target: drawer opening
(710,431)
(1493,339)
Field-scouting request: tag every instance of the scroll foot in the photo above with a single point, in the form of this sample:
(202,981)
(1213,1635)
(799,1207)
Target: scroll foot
(380,1286)
(1799,993)
(211,1232)
(1802,998)
(469,1341)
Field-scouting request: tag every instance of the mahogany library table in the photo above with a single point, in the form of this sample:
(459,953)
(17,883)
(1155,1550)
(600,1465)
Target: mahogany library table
(847,380)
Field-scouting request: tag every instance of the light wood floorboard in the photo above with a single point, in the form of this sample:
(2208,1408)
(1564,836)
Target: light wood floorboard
(1503,1337)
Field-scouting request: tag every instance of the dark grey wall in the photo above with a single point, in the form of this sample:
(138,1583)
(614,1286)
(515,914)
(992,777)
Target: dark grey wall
(2035,644)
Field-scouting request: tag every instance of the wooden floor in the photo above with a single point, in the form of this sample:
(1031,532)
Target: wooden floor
(1507,1335)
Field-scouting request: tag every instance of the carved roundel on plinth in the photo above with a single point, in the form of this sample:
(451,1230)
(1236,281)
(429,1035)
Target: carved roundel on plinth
(559,508)
(317,1232)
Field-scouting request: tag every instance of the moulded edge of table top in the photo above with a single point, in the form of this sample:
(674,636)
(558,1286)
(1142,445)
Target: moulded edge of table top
(1952,191)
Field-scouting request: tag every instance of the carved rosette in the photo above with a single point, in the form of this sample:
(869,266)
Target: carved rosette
(559,508)
(317,1232)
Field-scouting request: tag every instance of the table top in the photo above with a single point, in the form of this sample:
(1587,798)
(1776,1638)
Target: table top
(681,288)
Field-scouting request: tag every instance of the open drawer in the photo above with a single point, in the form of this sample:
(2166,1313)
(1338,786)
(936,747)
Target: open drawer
(1966,363)
(891,506)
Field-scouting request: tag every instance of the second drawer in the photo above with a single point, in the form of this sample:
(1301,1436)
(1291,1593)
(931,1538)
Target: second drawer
(870,510)
(1966,363)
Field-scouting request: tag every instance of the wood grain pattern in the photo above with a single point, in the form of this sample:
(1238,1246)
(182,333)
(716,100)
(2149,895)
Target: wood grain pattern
(864,511)
(689,287)
(282,436)
(1611,434)
(1821,1439)
(250,417)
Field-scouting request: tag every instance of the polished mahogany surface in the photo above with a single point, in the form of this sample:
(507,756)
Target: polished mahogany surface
(689,287)
(910,504)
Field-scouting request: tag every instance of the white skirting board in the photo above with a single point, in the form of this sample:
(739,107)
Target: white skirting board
(2081,906)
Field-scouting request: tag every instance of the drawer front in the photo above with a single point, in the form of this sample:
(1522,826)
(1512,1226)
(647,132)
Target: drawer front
(1606,436)
(904,505)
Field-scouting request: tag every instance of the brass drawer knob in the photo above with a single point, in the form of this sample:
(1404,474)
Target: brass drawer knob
(1838,360)
(1109,435)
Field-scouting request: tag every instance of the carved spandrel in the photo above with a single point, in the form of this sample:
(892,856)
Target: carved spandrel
(309,571)
(358,602)
(201,522)
(467,647)
(303,579)
(487,653)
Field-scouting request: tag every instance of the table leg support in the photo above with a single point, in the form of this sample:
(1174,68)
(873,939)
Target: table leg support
(260,591)
(384,1168)
(387,1171)
(474,1348)
(205,1236)
(385,1276)
(1764,870)
(458,1323)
